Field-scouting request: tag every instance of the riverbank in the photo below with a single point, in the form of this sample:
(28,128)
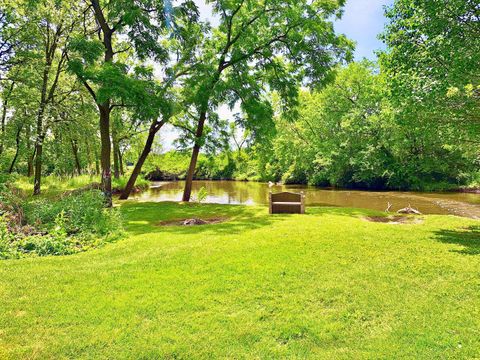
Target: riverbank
(254,193)
(472,190)
(160,175)
(326,284)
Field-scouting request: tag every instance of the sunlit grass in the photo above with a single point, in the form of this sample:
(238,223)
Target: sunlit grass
(52,185)
(324,285)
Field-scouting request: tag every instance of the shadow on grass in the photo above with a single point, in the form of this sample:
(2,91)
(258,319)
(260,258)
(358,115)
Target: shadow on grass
(469,238)
(143,218)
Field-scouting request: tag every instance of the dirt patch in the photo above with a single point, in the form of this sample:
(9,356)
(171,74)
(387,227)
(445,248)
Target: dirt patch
(394,220)
(193,222)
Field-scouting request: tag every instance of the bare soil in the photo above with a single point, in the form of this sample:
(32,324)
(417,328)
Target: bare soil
(193,222)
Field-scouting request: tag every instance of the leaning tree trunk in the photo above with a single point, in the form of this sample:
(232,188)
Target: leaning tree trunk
(193,161)
(106,149)
(154,128)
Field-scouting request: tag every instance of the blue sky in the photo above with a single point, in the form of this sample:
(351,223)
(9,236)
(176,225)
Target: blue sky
(362,21)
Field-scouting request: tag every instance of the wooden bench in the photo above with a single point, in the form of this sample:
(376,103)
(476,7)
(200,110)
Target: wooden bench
(287,203)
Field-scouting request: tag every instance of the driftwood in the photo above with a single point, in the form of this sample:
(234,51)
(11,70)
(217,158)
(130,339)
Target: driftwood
(389,206)
(192,222)
(409,210)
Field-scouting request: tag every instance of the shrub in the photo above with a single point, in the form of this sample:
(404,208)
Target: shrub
(73,223)
(82,213)
(119,184)
(6,239)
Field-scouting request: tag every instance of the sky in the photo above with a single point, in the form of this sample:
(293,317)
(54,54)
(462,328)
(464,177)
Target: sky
(362,22)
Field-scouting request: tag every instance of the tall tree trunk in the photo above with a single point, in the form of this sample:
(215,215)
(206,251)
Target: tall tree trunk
(104,108)
(193,161)
(17,150)
(38,166)
(120,161)
(97,164)
(30,158)
(116,161)
(4,117)
(39,147)
(78,166)
(154,128)
(105,152)
(89,156)
(46,96)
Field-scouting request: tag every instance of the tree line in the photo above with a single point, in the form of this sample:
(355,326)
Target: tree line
(147,63)
(88,85)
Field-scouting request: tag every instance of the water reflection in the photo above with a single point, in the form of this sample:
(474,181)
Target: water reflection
(251,193)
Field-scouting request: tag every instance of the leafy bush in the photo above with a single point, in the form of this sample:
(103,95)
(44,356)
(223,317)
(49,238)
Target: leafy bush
(6,238)
(73,223)
(82,213)
(120,184)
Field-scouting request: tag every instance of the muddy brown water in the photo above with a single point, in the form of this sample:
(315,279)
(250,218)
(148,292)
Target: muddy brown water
(252,193)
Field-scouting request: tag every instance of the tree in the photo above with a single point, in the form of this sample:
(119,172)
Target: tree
(46,27)
(10,29)
(341,137)
(259,45)
(118,36)
(180,45)
(5,99)
(432,59)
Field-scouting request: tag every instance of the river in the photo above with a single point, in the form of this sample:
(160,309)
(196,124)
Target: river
(253,193)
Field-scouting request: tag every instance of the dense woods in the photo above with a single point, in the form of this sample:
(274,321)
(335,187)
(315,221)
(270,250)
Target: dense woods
(88,86)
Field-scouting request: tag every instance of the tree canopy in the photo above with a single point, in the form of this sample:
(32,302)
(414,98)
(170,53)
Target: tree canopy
(88,86)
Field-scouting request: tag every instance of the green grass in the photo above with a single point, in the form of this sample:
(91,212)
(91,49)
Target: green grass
(326,285)
(54,185)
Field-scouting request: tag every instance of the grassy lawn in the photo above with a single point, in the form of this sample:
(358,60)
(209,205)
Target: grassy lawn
(324,285)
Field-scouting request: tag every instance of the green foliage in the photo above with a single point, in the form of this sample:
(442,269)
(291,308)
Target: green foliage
(434,69)
(82,213)
(202,194)
(351,135)
(119,184)
(171,164)
(6,239)
(40,227)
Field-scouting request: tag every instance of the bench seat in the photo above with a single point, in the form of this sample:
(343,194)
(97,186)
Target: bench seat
(287,203)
